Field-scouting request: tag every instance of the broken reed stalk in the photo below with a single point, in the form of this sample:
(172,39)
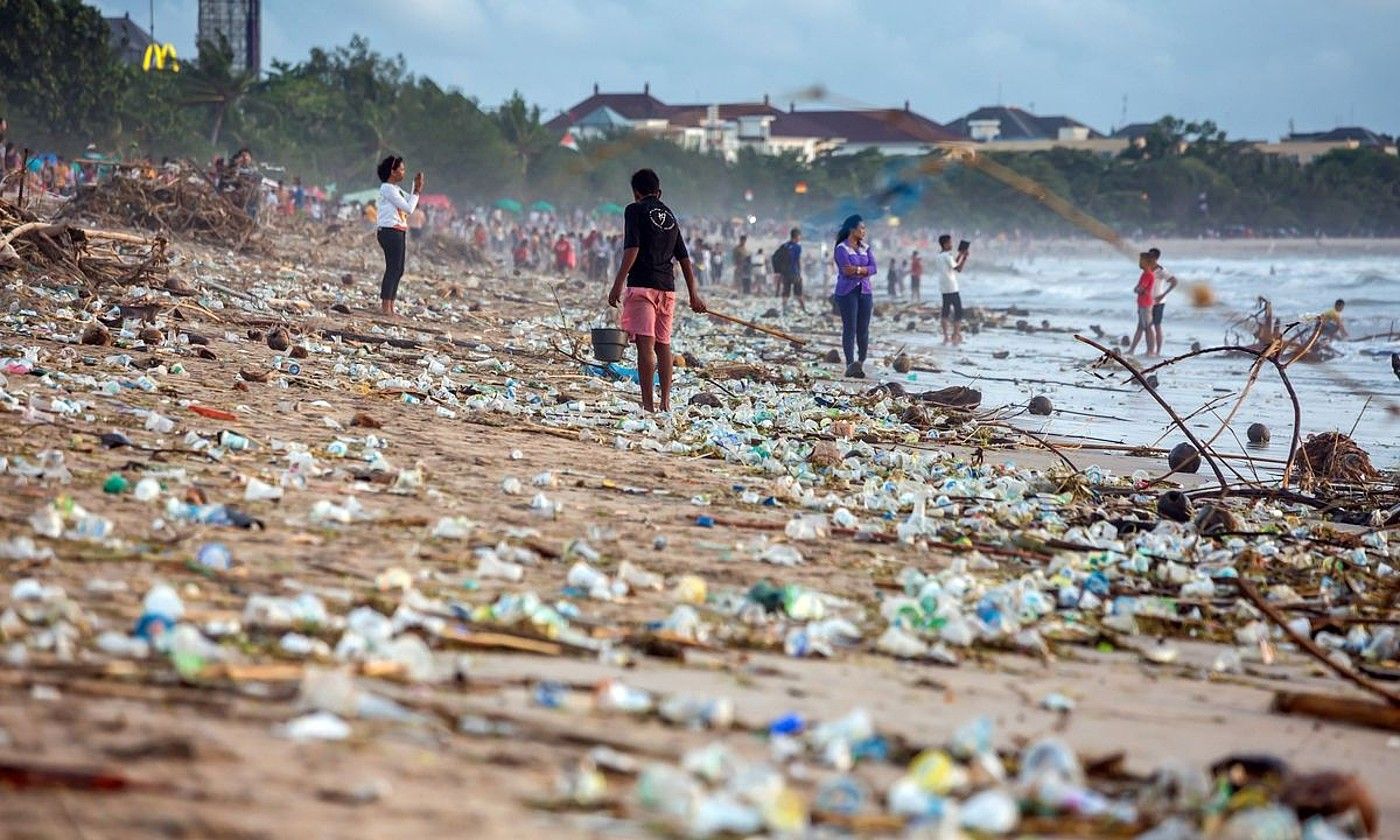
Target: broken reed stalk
(1042,442)
(1141,378)
(1312,648)
(1296,440)
(751,325)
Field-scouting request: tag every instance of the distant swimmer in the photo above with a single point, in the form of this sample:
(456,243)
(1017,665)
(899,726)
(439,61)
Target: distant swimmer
(1332,326)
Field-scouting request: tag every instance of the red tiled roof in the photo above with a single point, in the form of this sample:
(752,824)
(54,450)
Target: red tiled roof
(885,125)
(633,106)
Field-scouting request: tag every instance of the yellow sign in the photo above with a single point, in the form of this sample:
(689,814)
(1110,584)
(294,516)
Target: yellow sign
(158,54)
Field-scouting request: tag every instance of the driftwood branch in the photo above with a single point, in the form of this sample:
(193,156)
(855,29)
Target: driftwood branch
(1312,648)
(1171,412)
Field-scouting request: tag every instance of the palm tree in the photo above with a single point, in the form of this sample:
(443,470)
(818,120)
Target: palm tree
(213,82)
(521,127)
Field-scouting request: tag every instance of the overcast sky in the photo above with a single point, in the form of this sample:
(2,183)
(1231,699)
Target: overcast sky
(1251,65)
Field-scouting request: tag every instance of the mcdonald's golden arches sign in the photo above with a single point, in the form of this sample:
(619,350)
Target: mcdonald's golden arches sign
(158,55)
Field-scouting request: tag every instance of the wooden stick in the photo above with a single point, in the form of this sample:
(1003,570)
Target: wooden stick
(1332,708)
(751,325)
(1311,647)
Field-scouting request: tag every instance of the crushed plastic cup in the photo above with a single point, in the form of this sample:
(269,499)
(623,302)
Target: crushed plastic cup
(316,726)
(782,554)
(159,424)
(637,578)
(490,566)
(258,490)
(992,811)
(146,490)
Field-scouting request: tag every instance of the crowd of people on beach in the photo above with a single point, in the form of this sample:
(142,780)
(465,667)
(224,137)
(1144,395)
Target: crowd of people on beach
(743,256)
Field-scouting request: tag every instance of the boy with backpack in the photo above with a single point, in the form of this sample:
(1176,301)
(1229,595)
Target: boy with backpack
(787,265)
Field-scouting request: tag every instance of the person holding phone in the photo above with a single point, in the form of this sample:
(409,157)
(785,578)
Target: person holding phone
(392,210)
(949,265)
(855,265)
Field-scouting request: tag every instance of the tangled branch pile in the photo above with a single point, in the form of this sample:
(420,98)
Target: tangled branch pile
(1333,458)
(72,254)
(450,249)
(180,202)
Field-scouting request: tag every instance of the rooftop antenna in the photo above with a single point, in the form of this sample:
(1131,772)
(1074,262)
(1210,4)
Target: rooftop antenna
(153,19)
(1123,115)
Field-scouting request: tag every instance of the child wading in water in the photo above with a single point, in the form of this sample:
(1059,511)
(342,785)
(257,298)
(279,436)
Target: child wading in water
(651,241)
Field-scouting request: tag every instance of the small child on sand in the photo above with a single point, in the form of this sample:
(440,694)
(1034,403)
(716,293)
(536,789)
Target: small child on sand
(651,241)
(1145,300)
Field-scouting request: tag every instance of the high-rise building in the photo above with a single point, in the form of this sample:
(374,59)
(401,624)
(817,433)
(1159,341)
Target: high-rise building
(240,21)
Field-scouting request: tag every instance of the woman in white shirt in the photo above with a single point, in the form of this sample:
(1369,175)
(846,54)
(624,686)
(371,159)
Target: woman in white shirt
(392,211)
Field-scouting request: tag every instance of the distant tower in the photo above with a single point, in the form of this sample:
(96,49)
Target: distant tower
(240,21)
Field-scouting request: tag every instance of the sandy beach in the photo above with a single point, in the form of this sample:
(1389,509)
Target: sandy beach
(474,750)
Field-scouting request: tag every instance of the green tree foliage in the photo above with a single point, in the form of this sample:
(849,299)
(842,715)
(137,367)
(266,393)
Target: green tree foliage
(211,82)
(331,116)
(58,77)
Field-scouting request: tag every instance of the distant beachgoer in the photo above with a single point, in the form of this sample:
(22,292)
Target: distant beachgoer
(563,254)
(790,268)
(1332,326)
(949,264)
(1143,290)
(1160,276)
(758,269)
(743,269)
(392,212)
(855,265)
(651,241)
(916,276)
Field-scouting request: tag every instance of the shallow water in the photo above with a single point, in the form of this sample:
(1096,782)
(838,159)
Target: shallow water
(1073,285)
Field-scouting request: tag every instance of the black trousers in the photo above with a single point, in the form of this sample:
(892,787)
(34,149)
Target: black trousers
(395,247)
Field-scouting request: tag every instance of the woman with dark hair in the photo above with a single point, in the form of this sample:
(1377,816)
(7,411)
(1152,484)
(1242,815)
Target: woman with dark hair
(855,265)
(392,212)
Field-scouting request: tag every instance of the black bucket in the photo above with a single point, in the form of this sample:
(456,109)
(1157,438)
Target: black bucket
(609,344)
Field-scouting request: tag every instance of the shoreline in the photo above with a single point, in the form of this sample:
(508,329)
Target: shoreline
(521,411)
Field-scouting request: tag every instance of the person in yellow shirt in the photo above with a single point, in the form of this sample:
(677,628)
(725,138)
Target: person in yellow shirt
(1332,326)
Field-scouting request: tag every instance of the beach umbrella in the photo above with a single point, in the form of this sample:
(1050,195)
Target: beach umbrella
(510,205)
(542,206)
(609,209)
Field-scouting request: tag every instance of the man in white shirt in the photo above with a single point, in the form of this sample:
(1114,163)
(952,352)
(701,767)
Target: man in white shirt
(949,264)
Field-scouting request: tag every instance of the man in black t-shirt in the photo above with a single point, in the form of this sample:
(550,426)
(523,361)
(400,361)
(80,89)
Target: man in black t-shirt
(651,241)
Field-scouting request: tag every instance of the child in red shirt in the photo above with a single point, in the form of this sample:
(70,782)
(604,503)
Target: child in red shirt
(1145,299)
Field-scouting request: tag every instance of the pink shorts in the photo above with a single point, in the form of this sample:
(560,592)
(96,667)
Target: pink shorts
(648,312)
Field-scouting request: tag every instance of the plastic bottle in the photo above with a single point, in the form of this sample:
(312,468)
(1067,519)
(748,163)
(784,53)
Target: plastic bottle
(614,696)
(698,712)
(214,555)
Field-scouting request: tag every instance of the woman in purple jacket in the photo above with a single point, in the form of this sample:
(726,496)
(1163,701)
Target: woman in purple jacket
(855,265)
